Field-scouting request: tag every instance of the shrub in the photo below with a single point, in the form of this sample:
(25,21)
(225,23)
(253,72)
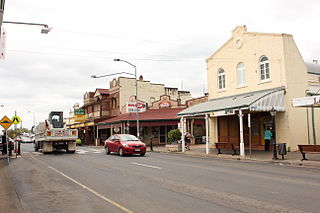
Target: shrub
(174,136)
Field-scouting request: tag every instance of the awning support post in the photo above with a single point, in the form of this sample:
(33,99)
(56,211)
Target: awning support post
(97,135)
(182,120)
(250,140)
(207,134)
(242,152)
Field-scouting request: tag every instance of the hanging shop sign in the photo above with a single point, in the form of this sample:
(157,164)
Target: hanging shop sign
(131,107)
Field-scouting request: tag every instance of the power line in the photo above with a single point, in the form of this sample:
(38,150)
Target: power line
(102,51)
(104,57)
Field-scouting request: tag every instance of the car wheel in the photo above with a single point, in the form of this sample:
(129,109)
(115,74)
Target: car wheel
(107,150)
(120,152)
(142,154)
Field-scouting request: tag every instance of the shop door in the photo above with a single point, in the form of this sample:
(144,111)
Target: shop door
(163,134)
(228,129)
(223,129)
(234,129)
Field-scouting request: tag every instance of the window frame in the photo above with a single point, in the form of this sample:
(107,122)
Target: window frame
(221,74)
(264,69)
(241,72)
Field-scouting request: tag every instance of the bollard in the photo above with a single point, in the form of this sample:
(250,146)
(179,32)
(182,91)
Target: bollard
(10,151)
(19,150)
(151,147)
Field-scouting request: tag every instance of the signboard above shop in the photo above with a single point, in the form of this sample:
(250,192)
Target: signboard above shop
(222,113)
(79,115)
(306,101)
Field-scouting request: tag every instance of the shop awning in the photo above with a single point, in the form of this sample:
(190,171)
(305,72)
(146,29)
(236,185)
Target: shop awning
(263,100)
(151,117)
(306,101)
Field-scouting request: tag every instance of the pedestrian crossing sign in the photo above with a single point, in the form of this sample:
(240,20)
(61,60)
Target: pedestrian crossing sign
(5,122)
(16,119)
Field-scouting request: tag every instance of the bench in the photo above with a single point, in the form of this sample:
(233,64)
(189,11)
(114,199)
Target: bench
(224,145)
(311,149)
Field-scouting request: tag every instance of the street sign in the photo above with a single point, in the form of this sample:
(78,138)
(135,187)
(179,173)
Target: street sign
(5,122)
(16,119)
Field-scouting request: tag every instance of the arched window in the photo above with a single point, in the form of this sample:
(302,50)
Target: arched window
(221,79)
(264,68)
(113,103)
(241,74)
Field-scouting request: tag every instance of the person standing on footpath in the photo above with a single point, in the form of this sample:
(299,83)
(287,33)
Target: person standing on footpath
(187,139)
(267,138)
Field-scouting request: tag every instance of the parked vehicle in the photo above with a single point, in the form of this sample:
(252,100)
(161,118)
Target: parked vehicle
(124,144)
(53,135)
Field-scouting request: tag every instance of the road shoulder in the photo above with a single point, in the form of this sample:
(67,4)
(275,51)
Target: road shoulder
(9,200)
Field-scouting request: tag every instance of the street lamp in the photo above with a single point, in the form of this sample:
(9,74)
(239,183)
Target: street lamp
(44,30)
(273,114)
(136,84)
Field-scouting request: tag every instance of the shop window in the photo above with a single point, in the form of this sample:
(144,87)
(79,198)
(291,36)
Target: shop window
(155,131)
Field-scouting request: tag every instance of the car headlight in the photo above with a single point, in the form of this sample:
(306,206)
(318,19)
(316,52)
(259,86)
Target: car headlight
(143,144)
(125,145)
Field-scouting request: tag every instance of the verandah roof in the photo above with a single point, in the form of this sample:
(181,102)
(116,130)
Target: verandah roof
(263,100)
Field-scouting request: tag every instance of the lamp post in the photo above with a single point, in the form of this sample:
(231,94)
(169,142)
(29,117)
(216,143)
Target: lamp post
(44,30)
(273,114)
(136,84)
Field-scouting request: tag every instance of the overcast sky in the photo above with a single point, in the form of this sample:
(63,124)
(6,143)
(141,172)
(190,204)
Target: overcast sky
(167,40)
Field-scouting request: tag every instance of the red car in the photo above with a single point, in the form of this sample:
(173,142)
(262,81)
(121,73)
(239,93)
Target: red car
(124,144)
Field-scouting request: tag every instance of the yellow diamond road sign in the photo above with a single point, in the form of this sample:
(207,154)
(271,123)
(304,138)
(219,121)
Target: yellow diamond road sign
(5,122)
(16,119)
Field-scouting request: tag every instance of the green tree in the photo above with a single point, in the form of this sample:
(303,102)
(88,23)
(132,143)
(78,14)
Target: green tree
(14,133)
(174,136)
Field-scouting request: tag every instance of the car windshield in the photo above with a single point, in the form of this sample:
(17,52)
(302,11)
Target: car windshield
(128,138)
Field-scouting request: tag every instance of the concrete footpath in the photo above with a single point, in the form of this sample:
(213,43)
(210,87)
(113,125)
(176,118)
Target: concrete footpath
(9,200)
(292,158)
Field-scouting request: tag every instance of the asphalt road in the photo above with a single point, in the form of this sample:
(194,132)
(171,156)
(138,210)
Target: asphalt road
(91,181)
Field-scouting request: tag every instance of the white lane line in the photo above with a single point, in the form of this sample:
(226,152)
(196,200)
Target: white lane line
(88,189)
(98,152)
(81,151)
(146,165)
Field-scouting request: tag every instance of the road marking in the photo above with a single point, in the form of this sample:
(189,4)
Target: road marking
(146,165)
(87,188)
(81,152)
(98,152)
(37,153)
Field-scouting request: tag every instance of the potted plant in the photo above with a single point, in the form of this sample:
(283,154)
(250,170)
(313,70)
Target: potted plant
(173,143)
